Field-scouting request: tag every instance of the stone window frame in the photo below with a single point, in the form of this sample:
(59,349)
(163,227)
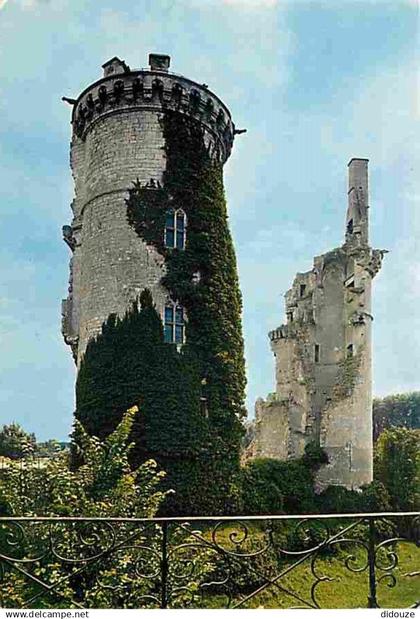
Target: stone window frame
(174,323)
(178,229)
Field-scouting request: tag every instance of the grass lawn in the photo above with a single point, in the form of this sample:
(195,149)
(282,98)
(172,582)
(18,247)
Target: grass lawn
(346,589)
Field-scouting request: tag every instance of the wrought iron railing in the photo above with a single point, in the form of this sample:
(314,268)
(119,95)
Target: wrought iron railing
(276,561)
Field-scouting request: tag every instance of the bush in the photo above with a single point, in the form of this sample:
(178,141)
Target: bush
(399,410)
(397,466)
(15,443)
(274,487)
(103,486)
(338,500)
(375,498)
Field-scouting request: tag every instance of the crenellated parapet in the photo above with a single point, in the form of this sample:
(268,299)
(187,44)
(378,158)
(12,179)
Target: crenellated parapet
(154,89)
(123,125)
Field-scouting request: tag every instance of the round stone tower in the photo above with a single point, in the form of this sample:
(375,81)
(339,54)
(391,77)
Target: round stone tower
(118,138)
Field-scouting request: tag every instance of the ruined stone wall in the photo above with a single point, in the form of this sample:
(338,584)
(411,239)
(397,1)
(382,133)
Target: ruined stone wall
(271,430)
(323,356)
(117,139)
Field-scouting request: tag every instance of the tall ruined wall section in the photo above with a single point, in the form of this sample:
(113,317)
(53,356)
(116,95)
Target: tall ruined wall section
(323,356)
(118,138)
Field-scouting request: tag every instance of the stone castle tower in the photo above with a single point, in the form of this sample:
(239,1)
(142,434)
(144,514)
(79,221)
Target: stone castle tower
(150,229)
(323,356)
(118,138)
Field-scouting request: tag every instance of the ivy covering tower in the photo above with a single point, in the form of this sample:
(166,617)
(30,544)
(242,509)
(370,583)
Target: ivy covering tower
(153,315)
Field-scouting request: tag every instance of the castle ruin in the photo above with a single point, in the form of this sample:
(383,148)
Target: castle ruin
(323,356)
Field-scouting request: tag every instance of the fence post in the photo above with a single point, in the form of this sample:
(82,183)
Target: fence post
(164,566)
(372,601)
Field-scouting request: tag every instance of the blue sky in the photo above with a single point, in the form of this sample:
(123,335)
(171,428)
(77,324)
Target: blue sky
(315,83)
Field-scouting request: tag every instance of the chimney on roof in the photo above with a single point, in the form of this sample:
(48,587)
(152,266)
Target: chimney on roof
(115,66)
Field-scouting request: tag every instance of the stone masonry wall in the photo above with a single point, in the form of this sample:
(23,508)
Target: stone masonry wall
(323,356)
(117,139)
(111,264)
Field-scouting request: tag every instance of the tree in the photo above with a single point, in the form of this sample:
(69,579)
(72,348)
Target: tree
(401,409)
(397,466)
(15,442)
(49,448)
(105,486)
(164,384)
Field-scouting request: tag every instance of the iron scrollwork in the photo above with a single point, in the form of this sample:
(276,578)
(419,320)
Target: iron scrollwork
(237,562)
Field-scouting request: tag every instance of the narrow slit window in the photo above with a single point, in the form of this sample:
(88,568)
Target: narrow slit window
(302,290)
(350,226)
(350,350)
(316,353)
(175,229)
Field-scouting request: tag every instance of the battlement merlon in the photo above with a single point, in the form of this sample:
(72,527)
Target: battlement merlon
(122,89)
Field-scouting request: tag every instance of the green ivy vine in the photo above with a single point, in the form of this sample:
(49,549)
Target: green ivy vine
(130,364)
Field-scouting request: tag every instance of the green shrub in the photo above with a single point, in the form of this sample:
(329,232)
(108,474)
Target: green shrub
(15,443)
(399,410)
(274,487)
(397,466)
(374,497)
(103,486)
(129,363)
(338,500)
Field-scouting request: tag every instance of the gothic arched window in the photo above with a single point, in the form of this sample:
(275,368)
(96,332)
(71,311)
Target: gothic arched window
(174,324)
(175,229)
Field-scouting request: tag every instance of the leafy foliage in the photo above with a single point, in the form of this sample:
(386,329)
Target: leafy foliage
(397,466)
(347,374)
(370,498)
(105,485)
(401,410)
(49,449)
(15,442)
(273,487)
(129,363)
(166,387)
(214,345)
